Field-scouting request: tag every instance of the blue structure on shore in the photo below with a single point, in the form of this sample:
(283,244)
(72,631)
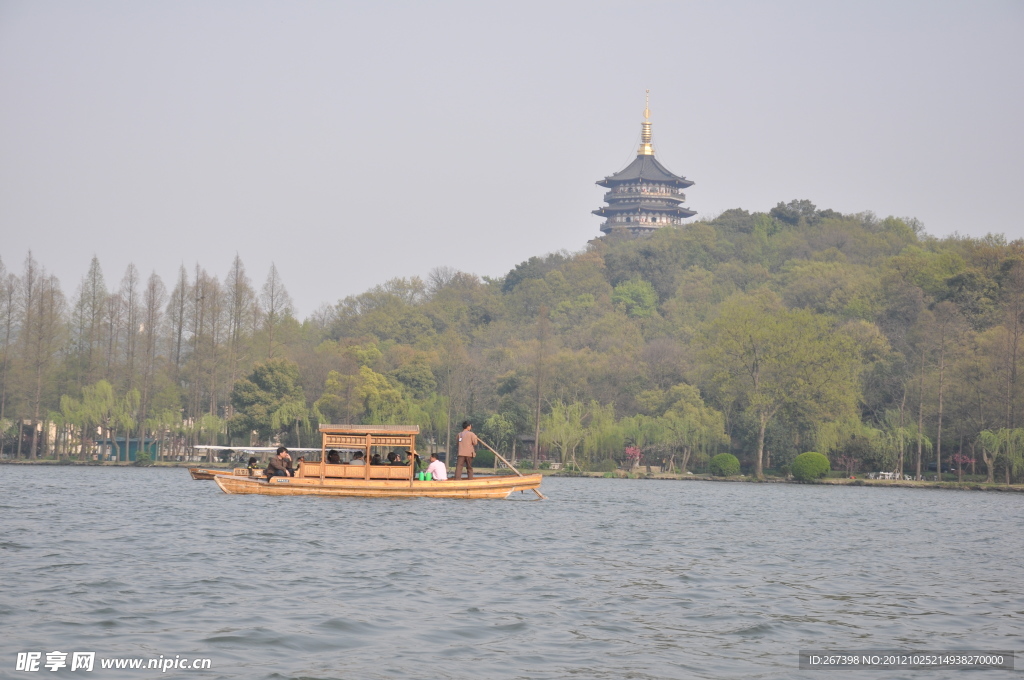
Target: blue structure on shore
(117,448)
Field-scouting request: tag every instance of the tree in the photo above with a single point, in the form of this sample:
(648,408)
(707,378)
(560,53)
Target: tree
(767,358)
(276,307)
(42,338)
(1006,446)
(340,401)
(949,328)
(636,297)
(177,307)
(239,299)
(152,316)
(131,294)
(563,429)
(604,437)
(259,396)
(87,325)
(450,372)
(8,329)
(382,399)
(500,430)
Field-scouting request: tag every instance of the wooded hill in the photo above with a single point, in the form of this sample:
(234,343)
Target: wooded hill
(763,334)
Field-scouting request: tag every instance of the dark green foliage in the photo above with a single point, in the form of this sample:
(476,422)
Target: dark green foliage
(534,268)
(258,397)
(484,459)
(795,211)
(810,466)
(606,465)
(724,465)
(417,377)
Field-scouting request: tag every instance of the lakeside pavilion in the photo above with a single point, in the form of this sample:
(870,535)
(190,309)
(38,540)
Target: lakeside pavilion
(645,195)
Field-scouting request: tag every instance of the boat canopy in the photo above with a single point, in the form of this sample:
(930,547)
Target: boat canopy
(366,437)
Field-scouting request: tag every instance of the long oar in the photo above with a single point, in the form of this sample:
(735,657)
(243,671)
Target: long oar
(509,464)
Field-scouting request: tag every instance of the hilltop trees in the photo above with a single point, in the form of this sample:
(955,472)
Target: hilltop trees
(763,334)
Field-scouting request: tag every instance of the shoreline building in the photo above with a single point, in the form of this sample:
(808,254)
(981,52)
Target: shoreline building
(645,195)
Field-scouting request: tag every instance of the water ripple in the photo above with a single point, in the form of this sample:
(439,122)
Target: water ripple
(606,579)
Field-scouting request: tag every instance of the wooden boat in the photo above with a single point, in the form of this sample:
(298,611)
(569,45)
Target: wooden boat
(381,481)
(211,473)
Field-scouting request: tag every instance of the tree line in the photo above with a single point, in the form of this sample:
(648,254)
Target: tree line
(764,334)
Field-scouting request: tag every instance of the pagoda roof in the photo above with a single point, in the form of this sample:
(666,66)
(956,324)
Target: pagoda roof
(679,210)
(644,206)
(645,167)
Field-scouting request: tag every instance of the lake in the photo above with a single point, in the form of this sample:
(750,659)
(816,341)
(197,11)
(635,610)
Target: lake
(608,578)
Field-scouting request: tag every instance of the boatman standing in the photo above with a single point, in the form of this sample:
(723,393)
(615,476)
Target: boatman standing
(467,449)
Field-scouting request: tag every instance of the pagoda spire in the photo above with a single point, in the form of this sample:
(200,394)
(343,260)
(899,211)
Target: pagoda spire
(645,130)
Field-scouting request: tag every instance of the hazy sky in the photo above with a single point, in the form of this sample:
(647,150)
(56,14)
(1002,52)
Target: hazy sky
(354,142)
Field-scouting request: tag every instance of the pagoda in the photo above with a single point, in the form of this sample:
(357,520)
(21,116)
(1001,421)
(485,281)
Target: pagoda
(644,196)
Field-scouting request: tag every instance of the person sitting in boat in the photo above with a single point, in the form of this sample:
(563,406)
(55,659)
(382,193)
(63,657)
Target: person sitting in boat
(279,465)
(376,460)
(437,471)
(393,459)
(253,463)
(357,459)
(333,458)
(298,464)
(415,458)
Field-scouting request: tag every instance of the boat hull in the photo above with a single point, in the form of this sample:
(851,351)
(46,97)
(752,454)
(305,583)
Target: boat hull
(479,487)
(203,473)
(211,473)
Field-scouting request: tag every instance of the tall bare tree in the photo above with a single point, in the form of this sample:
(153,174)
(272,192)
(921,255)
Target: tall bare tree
(9,288)
(154,299)
(131,310)
(177,308)
(276,305)
(1013,311)
(87,325)
(949,329)
(239,299)
(43,334)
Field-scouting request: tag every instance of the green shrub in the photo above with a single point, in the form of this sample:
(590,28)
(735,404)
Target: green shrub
(724,465)
(484,459)
(142,460)
(810,466)
(525,465)
(545,465)
(606,465)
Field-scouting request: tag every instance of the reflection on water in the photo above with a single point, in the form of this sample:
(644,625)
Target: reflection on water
(606,579)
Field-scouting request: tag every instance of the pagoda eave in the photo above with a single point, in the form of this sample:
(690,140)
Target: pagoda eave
(609,182)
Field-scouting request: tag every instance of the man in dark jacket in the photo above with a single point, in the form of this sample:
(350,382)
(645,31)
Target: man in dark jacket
(279,465)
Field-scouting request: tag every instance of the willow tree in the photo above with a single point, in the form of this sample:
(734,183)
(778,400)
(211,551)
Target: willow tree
(563,429)
(1004,445)
(766,358)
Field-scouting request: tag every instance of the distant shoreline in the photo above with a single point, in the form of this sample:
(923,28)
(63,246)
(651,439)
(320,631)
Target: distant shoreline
(833,481)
